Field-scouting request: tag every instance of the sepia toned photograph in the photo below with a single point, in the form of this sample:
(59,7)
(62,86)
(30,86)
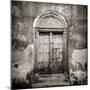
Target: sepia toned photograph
(49,44)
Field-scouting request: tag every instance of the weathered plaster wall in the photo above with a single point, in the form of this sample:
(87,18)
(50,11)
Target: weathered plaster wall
(23,16)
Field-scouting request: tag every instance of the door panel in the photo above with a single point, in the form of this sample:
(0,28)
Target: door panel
(57,53)
(43,53)
(43,49)
(57,47)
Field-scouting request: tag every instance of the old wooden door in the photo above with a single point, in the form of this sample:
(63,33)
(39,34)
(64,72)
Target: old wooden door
(50,52)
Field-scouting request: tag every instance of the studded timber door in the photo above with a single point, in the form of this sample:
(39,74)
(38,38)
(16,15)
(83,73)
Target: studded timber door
(50,53)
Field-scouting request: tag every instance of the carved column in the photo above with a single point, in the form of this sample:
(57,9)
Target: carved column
(36,49)
(65,50)
(50,51)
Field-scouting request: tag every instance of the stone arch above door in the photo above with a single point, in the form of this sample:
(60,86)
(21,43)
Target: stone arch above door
(50,19)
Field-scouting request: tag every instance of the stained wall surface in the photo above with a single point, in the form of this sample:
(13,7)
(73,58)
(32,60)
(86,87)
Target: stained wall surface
(23,16)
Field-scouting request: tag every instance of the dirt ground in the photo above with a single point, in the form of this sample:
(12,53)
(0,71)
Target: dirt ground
(52,80)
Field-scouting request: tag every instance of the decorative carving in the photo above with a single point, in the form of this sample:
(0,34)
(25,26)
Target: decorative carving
(47,20)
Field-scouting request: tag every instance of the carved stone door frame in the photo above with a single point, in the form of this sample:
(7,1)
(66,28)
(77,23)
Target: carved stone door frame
(41,24)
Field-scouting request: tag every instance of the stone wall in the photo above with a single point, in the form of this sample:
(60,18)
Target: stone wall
(23,16)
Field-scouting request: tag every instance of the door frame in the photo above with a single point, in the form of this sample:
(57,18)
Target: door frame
(37,29)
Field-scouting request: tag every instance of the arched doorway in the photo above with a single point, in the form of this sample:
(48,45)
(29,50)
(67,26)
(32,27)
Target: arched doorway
(50,41)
